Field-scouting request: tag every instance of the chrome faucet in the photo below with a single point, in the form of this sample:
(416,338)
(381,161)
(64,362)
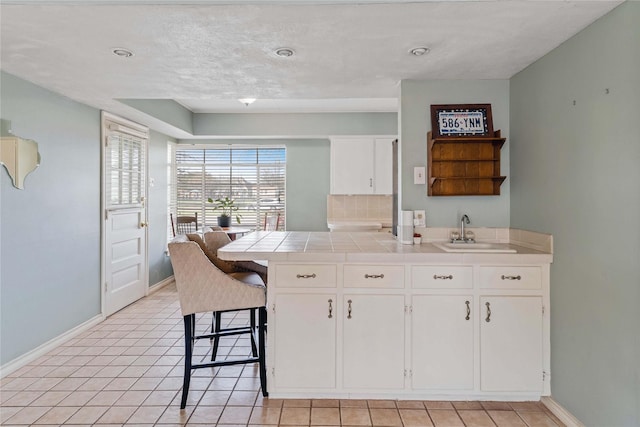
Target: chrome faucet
(462,221)
(462,238)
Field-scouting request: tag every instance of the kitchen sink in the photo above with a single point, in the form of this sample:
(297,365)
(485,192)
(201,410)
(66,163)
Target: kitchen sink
(474,247)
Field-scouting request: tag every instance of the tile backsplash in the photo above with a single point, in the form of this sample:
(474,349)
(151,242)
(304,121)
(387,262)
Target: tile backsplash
(360,207)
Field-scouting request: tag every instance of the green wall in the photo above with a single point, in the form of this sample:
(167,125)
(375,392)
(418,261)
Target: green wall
(414,119)
(50,245)
(50,256)
(576,174)
(159,262)
(307,184)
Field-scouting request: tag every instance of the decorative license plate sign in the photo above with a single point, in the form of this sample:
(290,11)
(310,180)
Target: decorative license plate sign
(455,120)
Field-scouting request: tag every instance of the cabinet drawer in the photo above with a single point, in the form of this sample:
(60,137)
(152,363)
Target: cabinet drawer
(306,275)
(374,276)
(441,277)
(511,277)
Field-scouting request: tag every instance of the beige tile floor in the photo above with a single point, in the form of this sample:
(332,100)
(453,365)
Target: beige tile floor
(128,371)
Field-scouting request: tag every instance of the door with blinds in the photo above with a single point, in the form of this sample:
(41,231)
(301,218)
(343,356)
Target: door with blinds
(124,259)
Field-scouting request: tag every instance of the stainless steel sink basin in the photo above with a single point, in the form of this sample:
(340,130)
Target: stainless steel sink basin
(475,247)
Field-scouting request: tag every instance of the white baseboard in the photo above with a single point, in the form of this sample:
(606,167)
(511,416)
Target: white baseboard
(43,349)
(560,412)
(160,285)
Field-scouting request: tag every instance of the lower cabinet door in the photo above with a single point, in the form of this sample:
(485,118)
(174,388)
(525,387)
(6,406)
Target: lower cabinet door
(373,341)
(305,341)
(511,343)
(442,342)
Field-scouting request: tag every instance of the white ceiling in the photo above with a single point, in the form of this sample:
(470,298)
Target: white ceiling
(350,55)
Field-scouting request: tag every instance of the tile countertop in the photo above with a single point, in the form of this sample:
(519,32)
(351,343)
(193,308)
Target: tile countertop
(302,246)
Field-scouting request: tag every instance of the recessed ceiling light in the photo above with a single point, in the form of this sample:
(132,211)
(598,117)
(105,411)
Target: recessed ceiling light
(419,51)
(247,101)
(285,52)
(120,51)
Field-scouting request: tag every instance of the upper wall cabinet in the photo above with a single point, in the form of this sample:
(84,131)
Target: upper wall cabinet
(361,165)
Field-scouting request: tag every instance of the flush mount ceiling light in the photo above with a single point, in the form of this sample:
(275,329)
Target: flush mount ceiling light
(247,101)
(284,52)
(120,51)
(419,51)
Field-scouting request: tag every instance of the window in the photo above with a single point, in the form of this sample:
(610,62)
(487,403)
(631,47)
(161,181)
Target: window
(253,177)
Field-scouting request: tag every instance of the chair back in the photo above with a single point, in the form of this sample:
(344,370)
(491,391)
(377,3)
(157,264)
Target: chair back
(271,222)
(203,287)
(184,224)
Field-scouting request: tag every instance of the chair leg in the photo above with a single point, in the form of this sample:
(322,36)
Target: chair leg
(189,330)
(216,339)
(262,322)
(252,323)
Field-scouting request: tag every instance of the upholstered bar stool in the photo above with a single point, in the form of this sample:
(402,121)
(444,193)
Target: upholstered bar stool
(214,240)
(204,288)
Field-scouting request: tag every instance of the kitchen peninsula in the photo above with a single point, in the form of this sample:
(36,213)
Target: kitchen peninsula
(359,315)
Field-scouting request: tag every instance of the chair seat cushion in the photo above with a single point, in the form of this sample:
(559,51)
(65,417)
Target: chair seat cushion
(248,278)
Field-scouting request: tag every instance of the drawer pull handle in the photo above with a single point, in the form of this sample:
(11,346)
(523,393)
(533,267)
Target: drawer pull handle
(330,308)
(349,309)
(374,276)
(436,277)
(488,319)
(468,311)
(511,277)
(306,276)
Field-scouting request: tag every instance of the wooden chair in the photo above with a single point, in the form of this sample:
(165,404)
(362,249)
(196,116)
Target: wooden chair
(271,222)
(184,224)
(204,288)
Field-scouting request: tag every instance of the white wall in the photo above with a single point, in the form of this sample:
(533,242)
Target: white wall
(576,174)
(415,122)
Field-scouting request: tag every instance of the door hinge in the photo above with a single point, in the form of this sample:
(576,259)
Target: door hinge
(273,372)
(543,309)
(106,286)
(106,214)
(544,375)
(408,309)
(408,373)
(273,308)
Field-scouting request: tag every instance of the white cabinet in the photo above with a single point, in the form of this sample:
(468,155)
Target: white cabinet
(383,166)
(361,165)
(511,356)
(409,330)
(442,342)
(373,341)
(305,341)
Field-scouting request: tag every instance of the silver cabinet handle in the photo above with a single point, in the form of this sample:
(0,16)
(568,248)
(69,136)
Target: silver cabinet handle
(436,277)
(349,309)
(330,308)
(503,277)
(488,319)
(374,276)
(468,310)
(306,276)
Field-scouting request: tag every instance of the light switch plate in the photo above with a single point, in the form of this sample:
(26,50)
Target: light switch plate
(418,175)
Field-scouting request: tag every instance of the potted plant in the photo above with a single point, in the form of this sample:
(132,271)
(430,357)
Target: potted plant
(417,238)
(227,207)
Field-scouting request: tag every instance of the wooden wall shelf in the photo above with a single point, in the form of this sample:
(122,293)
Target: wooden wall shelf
(460,166)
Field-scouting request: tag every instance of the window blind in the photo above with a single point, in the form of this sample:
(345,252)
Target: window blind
(254,177)
(125,166)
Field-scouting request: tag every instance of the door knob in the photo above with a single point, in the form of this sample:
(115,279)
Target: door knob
(143,224)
